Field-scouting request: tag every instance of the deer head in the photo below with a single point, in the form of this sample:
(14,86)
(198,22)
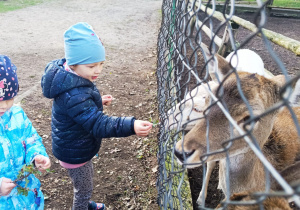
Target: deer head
(186,113)
(191,108)
(213,131)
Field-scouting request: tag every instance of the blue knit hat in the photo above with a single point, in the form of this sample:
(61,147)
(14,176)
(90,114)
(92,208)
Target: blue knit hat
(9,85)
(82,45)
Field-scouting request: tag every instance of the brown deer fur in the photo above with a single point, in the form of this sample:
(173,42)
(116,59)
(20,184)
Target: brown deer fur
(246,171)
(270,203)
(291,175)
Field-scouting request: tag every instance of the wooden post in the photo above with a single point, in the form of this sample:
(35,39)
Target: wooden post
(279,39)
(269,7)
(270,2)
(225,48)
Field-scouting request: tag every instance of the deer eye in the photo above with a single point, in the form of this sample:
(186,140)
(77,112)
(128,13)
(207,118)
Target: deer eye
(197,110)
(244,119)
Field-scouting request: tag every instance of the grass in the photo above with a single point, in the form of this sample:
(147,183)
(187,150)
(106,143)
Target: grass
(287,3)
(174,175)
(11,5)
(283,3)
(184,195)
(276,3)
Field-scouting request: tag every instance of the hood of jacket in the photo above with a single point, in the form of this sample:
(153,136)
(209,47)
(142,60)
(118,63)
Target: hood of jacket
(56,80)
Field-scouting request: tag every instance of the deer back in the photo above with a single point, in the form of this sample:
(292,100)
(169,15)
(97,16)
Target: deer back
(283,145)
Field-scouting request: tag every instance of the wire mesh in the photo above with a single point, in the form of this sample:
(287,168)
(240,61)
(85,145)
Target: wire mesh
(210,111)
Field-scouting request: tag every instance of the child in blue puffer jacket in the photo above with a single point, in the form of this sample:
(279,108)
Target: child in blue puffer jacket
(78,122)
(19,144)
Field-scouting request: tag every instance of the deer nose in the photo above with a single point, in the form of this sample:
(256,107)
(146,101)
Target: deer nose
(183,155)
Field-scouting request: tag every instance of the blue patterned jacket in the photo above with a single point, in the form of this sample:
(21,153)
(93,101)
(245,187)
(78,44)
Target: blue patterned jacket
(19,144)
(78,122)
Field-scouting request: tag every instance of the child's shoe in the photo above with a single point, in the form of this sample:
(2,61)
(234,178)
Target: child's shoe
(96,206)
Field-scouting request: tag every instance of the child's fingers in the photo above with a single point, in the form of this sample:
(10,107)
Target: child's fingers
(42,162)
(8,182)
(6,186)
(142,128)
(37,160)
(11,185)
(146,127)
(144,132)
(146,123)
(106,100)
(107,103)
(107,97)
(47,164)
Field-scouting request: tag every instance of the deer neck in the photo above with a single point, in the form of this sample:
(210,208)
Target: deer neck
(244,168)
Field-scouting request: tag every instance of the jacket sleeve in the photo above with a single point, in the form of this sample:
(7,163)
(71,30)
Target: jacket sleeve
(46,81)
(83,110)
(33,142)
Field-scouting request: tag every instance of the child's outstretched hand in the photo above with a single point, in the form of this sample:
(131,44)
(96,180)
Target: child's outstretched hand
(106,100)
(6,186)
(142,128)
(42,163)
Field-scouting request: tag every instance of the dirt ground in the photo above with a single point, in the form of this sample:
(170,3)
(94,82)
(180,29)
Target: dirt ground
(125,171)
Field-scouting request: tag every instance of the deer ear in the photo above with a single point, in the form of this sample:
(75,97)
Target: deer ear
(279,80)
(217,66)
(294,95)
(239,196)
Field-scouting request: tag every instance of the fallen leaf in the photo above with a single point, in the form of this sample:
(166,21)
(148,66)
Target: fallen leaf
(154,170)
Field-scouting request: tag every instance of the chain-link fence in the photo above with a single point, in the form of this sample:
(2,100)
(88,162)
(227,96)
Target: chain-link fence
(218,103)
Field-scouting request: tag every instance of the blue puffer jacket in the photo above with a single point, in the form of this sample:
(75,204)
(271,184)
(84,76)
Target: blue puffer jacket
(78,123)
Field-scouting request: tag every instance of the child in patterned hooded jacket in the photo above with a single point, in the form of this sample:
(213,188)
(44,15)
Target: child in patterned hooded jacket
(19,144)
(78,122)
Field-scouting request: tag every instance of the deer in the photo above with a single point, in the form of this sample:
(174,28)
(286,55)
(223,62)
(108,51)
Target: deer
(191,108)
(270,203)
(245,168)
(291,174)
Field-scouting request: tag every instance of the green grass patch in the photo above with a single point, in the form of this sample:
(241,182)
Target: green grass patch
(287,3)
(11,5)
(181,192)
(176,183)
(276,3)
